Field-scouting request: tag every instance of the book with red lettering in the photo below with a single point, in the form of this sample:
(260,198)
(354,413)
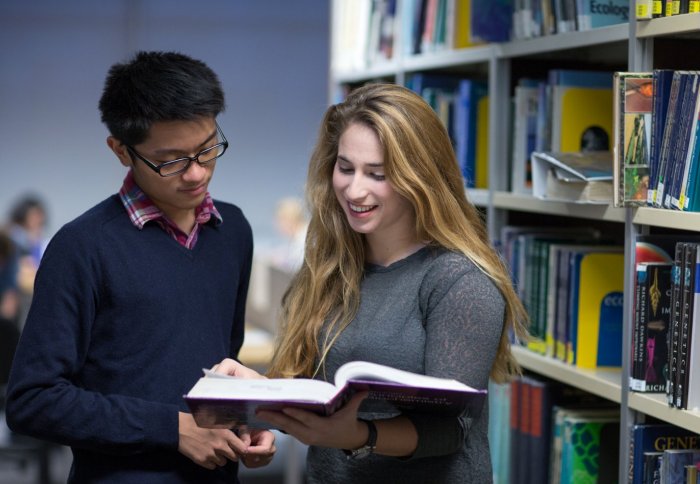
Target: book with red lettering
(219,401)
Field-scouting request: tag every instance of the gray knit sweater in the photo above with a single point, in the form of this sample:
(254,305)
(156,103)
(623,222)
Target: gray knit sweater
(436,313)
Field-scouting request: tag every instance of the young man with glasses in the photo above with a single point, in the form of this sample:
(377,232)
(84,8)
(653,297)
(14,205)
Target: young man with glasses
(137,295)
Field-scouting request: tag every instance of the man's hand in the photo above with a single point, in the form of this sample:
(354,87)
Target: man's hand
(208,447)
(231,367)
(261,449)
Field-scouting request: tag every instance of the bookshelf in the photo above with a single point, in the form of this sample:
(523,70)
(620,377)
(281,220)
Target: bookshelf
(622,47)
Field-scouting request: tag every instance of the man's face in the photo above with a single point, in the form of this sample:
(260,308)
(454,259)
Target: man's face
(179,194)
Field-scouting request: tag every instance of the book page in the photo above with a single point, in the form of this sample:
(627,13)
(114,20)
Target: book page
(363,370)
(280,389)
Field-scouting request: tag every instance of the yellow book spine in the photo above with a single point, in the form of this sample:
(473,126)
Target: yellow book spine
(462,20)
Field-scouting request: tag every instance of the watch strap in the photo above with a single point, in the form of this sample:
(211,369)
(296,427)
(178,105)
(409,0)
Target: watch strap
(369,445)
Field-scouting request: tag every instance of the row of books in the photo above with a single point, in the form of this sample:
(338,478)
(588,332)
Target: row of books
(648,9)
(568,111)
(657,139)
(660,452)
(363,33)
(371,31)
(666,335)
(536,18)
(544,431)
(463,107)
(571,283)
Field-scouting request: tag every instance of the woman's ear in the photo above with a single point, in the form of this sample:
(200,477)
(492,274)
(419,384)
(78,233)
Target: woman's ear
(120,150)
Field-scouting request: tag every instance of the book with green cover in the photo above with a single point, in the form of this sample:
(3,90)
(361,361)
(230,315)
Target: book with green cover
(590,449)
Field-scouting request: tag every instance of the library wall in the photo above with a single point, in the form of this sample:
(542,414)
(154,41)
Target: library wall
(272,58)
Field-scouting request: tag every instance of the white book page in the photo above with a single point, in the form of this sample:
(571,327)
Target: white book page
(216,385)
(363,370)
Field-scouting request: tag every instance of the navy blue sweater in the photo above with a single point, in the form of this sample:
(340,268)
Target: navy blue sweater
(122,322)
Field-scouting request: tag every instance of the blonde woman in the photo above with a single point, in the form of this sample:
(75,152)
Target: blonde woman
(397,270)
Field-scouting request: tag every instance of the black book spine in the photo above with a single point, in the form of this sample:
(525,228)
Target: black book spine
(675,323)
(690,254)
(643,323)
(636,334)
(656,331)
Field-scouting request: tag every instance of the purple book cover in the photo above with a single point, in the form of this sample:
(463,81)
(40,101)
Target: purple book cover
(214,411)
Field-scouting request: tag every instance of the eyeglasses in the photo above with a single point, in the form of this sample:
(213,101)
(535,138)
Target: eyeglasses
(180,165)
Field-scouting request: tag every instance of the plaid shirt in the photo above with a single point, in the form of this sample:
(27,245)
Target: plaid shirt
(142,210)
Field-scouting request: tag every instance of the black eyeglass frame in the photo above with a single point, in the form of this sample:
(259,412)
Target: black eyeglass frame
(189,159)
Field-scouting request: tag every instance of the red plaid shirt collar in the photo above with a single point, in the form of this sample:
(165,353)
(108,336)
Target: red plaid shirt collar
(142,210)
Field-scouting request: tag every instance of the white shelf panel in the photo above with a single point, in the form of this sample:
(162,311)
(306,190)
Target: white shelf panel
(604,383)
(478,196)
(507,200)
(654,404)
(448,58)
(669,26)
(568,40)
(672,219)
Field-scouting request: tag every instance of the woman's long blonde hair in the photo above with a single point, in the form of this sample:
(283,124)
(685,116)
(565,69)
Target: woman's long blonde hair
(420,164)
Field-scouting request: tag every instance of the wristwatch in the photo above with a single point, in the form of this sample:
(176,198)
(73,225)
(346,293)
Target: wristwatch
(369,446)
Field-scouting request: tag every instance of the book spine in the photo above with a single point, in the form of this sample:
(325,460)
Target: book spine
(552,286)
(656,124)
(690,254)
(640,328)
(667,143)
(619,137)
(656,331)
(693,401)
(675,323)
(561,320)
(543,269)
(674,160)
(682,140)
(630,454)
(692,161)
(657,8)
(689,146)
(643,9)
(515,437)
(540,413)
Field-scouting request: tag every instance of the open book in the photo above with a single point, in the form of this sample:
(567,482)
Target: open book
(219,401)
(584,177)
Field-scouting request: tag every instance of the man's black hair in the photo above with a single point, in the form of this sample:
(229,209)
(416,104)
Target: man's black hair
(157,86)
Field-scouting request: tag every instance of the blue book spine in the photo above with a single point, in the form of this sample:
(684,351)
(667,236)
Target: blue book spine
(662,91)
(693,161)
(683,137)
(580,78)
(693,178)
(468,95)
(491,20)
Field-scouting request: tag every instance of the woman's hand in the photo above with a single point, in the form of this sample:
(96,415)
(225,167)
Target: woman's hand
(231,367)
(341,430)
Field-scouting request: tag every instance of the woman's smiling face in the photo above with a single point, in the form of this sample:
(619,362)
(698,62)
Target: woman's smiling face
(371,204)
